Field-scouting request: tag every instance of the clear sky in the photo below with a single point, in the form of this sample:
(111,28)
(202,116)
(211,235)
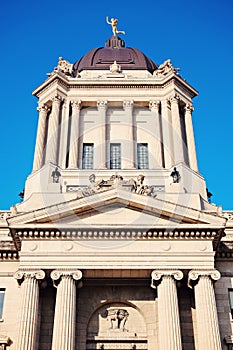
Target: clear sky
(196,35)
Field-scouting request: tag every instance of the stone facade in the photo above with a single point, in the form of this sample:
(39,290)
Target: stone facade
(115,245)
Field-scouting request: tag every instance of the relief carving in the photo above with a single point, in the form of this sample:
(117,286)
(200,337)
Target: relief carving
(117,318)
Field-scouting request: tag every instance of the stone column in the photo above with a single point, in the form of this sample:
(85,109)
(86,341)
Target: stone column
(208,336)
(53,132)
(65,310)
(157,156)
(176,129)
(102,146)
(167,135)
(190,138)
(63,147)
(169,321)
(74,134)
(29,307)
(40,139)
(129,149)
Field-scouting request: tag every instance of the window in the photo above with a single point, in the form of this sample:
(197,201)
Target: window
(115,156)
(88,156)
(142,150)
(230,294)
(2,294)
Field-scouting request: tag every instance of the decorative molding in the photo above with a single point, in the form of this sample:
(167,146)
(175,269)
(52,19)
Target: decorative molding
(126,234)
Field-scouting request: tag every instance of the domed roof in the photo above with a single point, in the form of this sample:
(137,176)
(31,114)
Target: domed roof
(115,50)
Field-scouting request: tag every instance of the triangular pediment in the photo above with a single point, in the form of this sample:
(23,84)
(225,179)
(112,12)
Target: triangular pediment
(115,207)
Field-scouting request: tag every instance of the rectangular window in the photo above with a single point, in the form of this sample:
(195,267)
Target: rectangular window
(115,156)
(142,150)
(88,156)
(2,294)
(230,294)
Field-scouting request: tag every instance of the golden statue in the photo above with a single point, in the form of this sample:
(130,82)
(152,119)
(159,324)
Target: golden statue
(113,23)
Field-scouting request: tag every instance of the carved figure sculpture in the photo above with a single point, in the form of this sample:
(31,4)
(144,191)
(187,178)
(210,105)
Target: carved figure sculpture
(138,187)
(56,175)
(113,24)
(117,318)
(165,68)
(175,176)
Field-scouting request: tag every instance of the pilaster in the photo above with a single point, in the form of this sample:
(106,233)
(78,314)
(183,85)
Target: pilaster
(129,149)
(157,156)
(208,336)
(102,146)
(167,134)
(168,311)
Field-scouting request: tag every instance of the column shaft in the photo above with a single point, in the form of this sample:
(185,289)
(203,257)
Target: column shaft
(40,139)
(29,309)
(157,156)
(74,135)
(63,336)
(64,135)
(190,138)
(65,310)
(102,146)
(177,133)
(167,135)
(168,311)
(53,132)
(208,336)
(129,145)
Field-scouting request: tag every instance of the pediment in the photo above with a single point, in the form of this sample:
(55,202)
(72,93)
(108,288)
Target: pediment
(115,207)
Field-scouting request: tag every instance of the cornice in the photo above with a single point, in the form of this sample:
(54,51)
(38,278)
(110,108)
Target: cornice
(150,83)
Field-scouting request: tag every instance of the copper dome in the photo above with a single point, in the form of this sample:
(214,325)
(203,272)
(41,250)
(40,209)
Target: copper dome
(115,50)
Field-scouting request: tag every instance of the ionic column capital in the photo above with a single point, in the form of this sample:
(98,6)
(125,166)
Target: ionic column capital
(57,99)
(189,108)
(21,274)
(43,108)
(76,104)
(174,99)
(102,104)
(154,105)
(157,275)
(57,274)
(194,275)
(128,104)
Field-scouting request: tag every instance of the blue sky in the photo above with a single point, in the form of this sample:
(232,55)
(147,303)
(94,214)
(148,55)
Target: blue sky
(197,36)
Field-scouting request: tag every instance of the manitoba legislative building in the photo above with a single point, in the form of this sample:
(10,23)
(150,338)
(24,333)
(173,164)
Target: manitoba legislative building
(115,244)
